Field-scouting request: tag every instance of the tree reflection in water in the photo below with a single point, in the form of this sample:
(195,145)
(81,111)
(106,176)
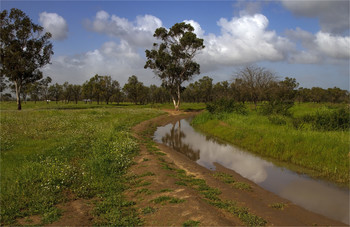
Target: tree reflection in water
(174,139)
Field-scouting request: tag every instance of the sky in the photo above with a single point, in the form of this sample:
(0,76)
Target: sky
(308,40)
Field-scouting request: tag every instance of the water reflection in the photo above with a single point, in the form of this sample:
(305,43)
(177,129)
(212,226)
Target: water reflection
(317,196)
(174,138)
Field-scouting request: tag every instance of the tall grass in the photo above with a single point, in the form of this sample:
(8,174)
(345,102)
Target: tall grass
(323,152)
(50,155)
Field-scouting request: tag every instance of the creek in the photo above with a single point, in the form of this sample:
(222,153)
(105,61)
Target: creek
(315,195)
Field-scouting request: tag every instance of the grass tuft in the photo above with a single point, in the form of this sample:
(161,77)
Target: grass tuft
(190,223)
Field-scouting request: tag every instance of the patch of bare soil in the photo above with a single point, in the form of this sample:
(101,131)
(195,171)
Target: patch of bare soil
(32,220)
(75,213)
(154,181)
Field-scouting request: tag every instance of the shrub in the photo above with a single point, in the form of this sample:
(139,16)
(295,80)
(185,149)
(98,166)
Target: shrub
(325,120)
(277,107)
(332,120)
(226,106)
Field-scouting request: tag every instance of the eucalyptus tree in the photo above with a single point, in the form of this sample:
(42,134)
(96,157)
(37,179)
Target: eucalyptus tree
(67,91)
(172,59)
(109,87)
(87,91)
(134,89)
(24,49)
(56,91)
(76,92)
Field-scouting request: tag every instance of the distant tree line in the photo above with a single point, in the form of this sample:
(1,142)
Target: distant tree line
(252,84)
(99,89)
(256,84)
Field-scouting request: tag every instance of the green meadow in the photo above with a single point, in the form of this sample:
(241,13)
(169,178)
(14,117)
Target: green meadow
(50,152)
(320,153)
(53,152)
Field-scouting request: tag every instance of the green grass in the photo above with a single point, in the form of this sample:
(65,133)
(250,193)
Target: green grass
(163,199)
(224,177)
(148,210)
(189,223)
(322,154)
(144,191)
(49,149)
(278,206)
(242,186)
(166,190)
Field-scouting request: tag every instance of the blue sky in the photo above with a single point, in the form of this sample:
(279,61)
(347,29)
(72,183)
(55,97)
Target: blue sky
(307,40)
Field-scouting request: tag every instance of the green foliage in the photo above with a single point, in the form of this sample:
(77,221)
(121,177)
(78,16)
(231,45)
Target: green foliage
(332,120)
(135,90)
(325,119)
(277,107)
(24,49)
(226,106)
(172,59)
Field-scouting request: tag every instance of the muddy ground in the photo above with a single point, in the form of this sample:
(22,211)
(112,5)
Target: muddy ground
(163,199)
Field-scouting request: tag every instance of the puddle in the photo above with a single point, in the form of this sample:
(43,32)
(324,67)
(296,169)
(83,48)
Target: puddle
(315,195)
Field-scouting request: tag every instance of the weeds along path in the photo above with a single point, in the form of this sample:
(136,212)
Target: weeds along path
(169,189)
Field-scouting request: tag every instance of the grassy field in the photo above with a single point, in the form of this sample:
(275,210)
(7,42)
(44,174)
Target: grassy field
(40,105)
(323,154)
(50,152)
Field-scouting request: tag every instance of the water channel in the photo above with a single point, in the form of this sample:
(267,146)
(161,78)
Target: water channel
(315,195)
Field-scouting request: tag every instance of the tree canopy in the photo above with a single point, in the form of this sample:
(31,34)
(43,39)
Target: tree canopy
(172,59)
(24,49)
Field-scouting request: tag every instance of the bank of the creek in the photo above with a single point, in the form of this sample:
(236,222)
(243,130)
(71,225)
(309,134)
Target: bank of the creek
(170,189)
(314,195)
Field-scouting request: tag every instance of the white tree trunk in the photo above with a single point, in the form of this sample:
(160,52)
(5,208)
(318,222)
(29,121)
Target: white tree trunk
(18,95)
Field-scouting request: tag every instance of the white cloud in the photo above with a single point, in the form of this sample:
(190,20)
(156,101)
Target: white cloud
(319,47)
(55,24)
(117,60)
(137,33)
(333,46)
(244,40)
(197,28)
(333,15)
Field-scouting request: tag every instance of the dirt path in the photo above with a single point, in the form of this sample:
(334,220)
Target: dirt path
(170,189)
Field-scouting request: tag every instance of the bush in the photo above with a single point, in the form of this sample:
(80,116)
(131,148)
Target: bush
(226,106)
(325,120)
(332,120)
(277,107)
